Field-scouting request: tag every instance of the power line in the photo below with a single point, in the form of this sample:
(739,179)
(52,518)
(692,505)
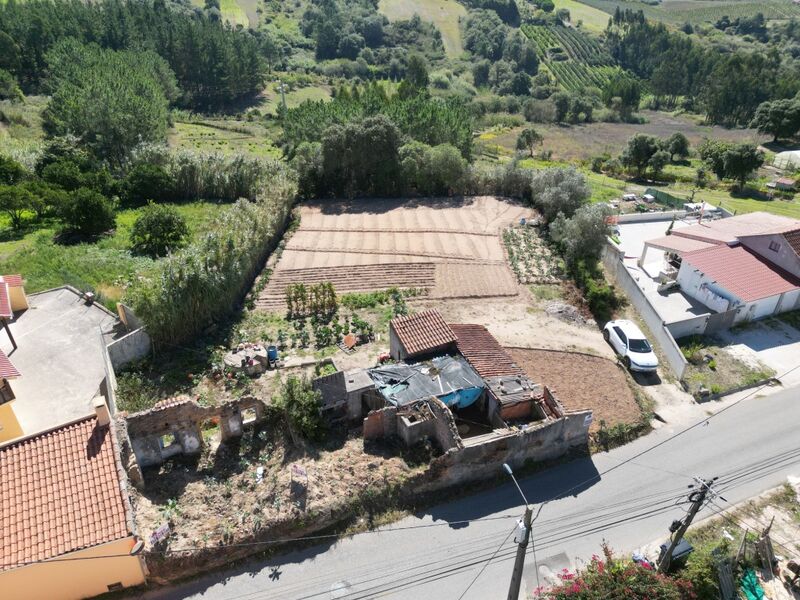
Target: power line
(486,564)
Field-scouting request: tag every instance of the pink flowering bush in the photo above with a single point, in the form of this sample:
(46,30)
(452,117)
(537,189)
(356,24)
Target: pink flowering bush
(609,578)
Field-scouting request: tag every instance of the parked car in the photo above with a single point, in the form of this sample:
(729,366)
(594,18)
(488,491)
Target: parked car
(630,343)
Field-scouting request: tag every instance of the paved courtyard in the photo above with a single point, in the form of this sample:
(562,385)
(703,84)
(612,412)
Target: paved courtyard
(59,357)
(771,342)
(673,306)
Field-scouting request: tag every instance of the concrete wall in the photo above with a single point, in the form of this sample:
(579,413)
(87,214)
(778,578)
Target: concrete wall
(75,579)
(784,257)
(539,442)
(108,387)
(612,259)
(692,280)
(649,217)
(687,327)
(131,347)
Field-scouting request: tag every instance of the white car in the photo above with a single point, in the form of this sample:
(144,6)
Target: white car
(629,342)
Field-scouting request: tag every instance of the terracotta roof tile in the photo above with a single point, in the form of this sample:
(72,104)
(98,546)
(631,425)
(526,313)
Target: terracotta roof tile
(793,239)
(5,302)
(742,272)
(7,368)
(484,352)
(12,280)
(423,332)
(59,492)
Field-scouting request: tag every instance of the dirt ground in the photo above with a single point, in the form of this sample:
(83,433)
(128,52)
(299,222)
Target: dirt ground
(582,381)
(234,490)
(450,247)
(521,321)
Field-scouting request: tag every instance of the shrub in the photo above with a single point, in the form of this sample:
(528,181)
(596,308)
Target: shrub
(158,230)
(135,392)
(301,405)
(148,182)
(600,296)
(615,578)
(87,212)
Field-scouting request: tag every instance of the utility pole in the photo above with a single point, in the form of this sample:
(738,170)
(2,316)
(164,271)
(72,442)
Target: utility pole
(519,563)
(697,498)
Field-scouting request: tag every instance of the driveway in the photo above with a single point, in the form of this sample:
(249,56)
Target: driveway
(772,343)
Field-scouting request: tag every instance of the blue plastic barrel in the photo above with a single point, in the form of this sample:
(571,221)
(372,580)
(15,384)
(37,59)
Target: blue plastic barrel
(272,353)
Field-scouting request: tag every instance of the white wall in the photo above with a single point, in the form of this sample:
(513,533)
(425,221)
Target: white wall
(784,257)
(691,279)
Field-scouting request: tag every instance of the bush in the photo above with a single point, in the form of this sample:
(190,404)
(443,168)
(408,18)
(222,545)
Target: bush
(615,578)
(87,212)
(158,230)
(135,392)
(601,297)
(301,405)
(148,182)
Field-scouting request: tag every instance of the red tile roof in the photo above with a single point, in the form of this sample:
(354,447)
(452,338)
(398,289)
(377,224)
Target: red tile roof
(12,280)
(59,492)
(742,272)
(5,302)
(423,332)
(484,352)
(7,369)
(793,239)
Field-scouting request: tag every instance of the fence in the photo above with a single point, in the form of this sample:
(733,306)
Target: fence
(665,198)
(612,259)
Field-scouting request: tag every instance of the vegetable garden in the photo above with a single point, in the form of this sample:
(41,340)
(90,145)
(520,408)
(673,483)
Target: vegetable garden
(699,11)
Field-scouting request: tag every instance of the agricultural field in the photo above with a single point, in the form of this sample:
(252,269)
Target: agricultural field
(448,248)
(226,137)
(591,19)
(445,14)
(575,59)
(699,11)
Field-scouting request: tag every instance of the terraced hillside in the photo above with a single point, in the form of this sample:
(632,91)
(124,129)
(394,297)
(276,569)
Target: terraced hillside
(575,59)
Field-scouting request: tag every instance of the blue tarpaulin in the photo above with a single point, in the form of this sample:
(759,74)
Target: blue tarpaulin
(448,378)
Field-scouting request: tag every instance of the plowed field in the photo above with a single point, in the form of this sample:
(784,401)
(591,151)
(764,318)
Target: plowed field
(449,247)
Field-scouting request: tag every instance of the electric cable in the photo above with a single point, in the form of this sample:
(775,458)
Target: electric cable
(486,564)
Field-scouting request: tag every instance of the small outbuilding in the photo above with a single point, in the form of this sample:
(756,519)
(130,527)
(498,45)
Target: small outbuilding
(421,335)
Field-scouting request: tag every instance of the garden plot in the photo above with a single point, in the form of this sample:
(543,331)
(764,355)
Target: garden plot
(450,248)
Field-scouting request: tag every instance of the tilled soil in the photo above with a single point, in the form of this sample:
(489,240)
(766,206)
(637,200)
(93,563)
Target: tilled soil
(581,381)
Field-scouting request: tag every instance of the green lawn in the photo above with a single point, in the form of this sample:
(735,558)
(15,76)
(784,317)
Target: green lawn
(293,97)
(593,19)
(104,266)
(231,11)
(442,13)
(222,136)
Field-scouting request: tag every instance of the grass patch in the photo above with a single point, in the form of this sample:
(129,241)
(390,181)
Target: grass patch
(104,266)
(592,19)
(544,292)
(223,136)
(293,98)
(713,370)
(442,13)
(231,11)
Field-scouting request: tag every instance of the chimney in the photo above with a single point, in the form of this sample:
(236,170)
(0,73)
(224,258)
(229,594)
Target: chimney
(101,410)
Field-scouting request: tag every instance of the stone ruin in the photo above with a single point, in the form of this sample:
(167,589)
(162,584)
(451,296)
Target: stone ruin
(175,426)
(252,359)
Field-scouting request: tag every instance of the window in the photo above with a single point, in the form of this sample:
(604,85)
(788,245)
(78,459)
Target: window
(115,587)
(642,346)
(774,246)
(621,335)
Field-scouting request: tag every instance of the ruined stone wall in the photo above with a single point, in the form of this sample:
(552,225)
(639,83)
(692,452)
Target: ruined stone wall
(539,442)
(445,426)
(380,423)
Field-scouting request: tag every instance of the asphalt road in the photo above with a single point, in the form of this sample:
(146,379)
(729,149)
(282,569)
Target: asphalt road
(751,447)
